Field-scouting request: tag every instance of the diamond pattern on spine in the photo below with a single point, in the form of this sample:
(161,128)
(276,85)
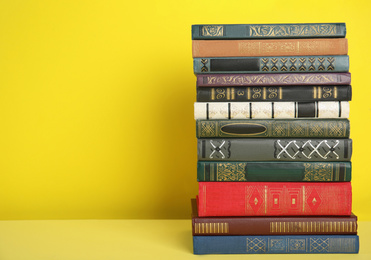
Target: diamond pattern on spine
(321,67)
(204,68)
(331,66)
(302,67)
(293,65)
(311,66)
(283,67)
(274,67)
(265,64)
(314,200)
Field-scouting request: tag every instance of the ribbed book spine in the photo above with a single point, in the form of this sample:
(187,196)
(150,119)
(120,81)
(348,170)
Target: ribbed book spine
(268,31)
(280,64)
(274,198)
(273,171)
(267,110)
(281,79)
(273,128)
(311,244)
(256,48)
(269,149)
(274,93)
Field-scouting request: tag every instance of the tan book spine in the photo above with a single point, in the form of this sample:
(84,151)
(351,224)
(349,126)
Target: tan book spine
(255,48)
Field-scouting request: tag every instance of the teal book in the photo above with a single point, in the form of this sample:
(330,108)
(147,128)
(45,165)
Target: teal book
(279,64)
(267,31)
(308,244)
(273,171)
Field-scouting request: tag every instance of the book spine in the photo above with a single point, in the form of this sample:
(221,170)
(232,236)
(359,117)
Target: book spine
(240,226)
(281,64)
(281,79)
(273,128)
(268,31)
(274,198)
(269,110)
(273,171)
(266,149)
(311,244)
(256,48)
(275,93)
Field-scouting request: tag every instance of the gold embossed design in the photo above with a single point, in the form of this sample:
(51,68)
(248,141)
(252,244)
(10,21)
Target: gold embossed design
(337,129)
(317,129)
(326,92)
(318,172)
(273,92)
(249,47)
(277,244)
(212,30)
(297,130)
(292,30)
(212,228)
(257,93)
(312,226)
(256,245)
(230,172)
(208,129)
(271,79)
(279,130)
(220,93)
(319,245)
(296,244)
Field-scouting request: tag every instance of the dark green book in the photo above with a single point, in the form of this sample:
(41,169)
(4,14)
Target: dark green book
(274,171)
(275,128)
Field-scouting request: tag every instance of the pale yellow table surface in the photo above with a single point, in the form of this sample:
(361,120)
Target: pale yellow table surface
(124,239)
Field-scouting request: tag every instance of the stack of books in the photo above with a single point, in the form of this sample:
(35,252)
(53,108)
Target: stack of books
(274,152)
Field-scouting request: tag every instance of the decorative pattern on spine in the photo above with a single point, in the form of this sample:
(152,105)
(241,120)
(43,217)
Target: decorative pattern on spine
(273,171)
(256,48)
(274,198)
(275,93)
(276,128)
(272,31)
(316,244)
(265,110)
(265,149)
(215,80)
(286,64)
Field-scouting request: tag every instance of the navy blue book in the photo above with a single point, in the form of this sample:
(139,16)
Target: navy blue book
(267,31)
(321,244)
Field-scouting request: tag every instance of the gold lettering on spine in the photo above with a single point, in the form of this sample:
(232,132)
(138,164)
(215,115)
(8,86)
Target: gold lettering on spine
(319,92)
(271,227)
(233,93)
(222,231)
(248,94)
(264,93)
(228,93)
(314,92)
(280,90)
(212,93)
(207,227)
(335,92)
(203,227)
(218,227)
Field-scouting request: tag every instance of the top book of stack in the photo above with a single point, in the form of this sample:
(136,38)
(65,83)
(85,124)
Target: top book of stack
(268,31)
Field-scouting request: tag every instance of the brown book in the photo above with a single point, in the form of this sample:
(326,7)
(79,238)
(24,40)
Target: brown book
(256,48)
(283,225)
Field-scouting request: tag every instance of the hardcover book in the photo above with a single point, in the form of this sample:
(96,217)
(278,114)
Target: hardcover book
(269,64)
(265,110)
(256,48)
(280,79)
(274,198)
(273,171)
(310,244)
(269,149)
(274,128)
(268,31)
(274,93)
(282,225)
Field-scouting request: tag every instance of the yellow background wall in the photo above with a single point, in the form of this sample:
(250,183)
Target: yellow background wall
(96,102)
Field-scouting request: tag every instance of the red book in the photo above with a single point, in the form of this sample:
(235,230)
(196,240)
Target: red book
(274,199)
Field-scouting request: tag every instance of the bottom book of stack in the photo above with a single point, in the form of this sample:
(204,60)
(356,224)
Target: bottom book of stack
(274,235)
